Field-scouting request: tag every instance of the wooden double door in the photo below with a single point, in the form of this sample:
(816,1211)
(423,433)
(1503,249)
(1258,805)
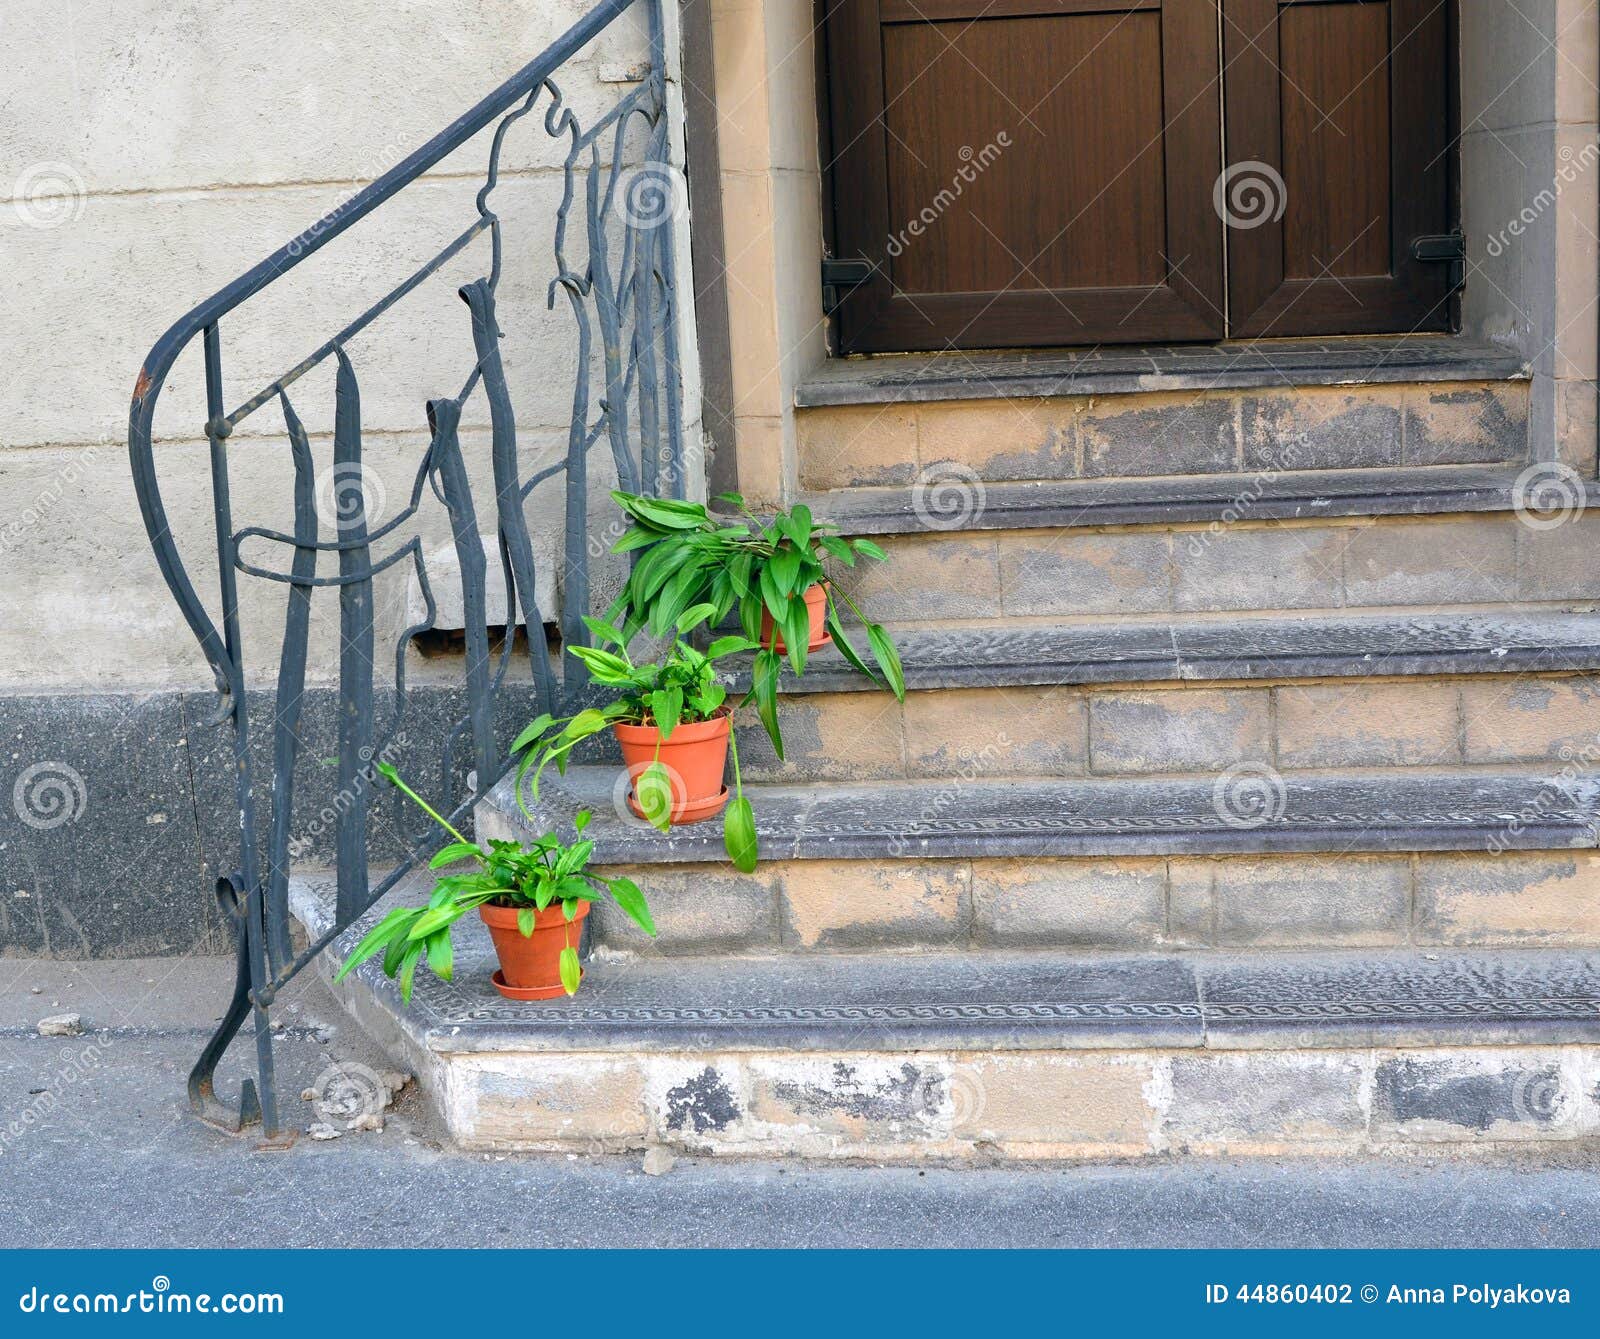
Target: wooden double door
(1065,172)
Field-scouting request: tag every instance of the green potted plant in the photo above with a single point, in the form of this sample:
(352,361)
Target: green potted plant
(771,573)
(673,721)
(533,898)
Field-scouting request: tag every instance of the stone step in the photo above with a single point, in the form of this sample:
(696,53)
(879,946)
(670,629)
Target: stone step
(999,1054)
(1188,432)
(1073,570)
(1247,809)
(955,736)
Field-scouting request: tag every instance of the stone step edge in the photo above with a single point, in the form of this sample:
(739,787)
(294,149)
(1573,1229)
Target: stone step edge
(988,1000)
(1248,809)
(1289,365)
(1196,650)
(959,502)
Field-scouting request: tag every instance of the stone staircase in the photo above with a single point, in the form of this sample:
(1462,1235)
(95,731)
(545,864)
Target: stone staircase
(1214,819)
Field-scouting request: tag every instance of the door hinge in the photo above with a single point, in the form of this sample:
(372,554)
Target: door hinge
(1445,248)
(839,276)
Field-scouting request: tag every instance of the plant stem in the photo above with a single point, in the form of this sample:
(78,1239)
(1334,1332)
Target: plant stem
(426,807)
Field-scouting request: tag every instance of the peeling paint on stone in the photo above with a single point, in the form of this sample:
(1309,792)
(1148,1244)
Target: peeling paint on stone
(701,1104)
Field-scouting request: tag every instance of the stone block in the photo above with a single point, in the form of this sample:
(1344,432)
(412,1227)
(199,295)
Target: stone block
(1518,719)
(1262,1100)
(1057,1102)
(1178,730)
(1069,903)
(982,732)
(1000,439)
(1457,561)
(856,904)
(1318,428)
(1470,1096)
(1084,572)
(1355,723)
(1523,898)
(852,445)
(1263,567)
(1186,433)
(701,909)
(1465,425)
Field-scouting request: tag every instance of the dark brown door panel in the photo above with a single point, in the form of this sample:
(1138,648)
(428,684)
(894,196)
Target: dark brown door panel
(1338,157)
(1021,172)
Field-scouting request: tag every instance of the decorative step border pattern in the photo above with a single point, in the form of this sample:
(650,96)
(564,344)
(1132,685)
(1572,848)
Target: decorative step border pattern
(1418,490)
(1212,649)
(1250,809)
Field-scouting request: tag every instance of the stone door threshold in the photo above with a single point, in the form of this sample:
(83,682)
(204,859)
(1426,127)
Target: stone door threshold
(1121,370)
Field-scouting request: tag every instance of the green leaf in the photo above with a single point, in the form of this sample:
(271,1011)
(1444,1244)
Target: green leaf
(571,973)
(739,835)
(455,851)
(727,646)
(408,970)
(839,549)
(532,731)
(668,513)
(605,632)
(631,900)
(732,499)
(797,633)
(888,658)
(764,688)
(433,918)
(527,917)
(798,525)
(440,956)
(580,820)
(774,598)
(692,617)
(869,549)
(666,705)
(606,667)
(376,938)
(846,646)
(785,569)
(653,792)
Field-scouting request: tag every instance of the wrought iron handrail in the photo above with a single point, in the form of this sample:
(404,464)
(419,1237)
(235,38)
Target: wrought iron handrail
(635,310)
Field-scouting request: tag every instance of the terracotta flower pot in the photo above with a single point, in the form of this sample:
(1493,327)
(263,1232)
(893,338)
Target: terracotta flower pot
(816,598)
(695,756)
(530,965)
